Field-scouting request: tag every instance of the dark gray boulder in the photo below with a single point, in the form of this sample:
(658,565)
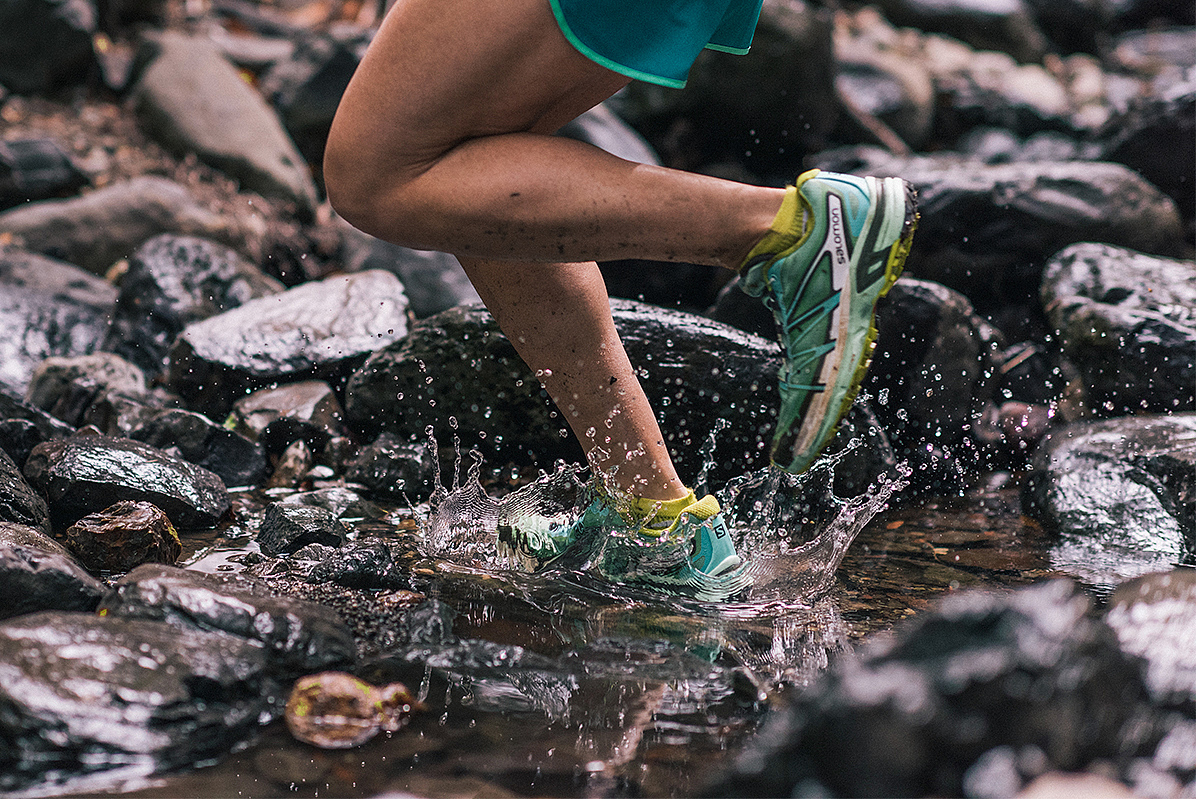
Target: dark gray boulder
(1007,26)
(172,281)
(278,416)
(232,457)
(1120,494)
(84,694)
(987,230)
(1126,321)
(288,527)
(19,504)
(457,373)
(47,308)
(298,637)
(66,387)
(87,473)
(395,468)
(322,330)
(45,44)
(925,712)
(34,579)
(1154,617)
(35,422)
(99,228)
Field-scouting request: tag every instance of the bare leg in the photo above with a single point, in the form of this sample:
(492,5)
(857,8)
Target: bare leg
(441,142)
(558,318)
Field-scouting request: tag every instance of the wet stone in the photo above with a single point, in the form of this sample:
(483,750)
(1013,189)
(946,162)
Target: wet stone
(34,578)
(1120,494)
(457,373)
(174,280)
(277,416)
(288,527)
(1127,322)
(47,308)
(343,503)
(36,169)
(66,387)
(1154,616)
(395,469)
(87,473)
(84,693)
(293,467)
(362,565)
(46,44)
(19,504)
(45,427)
(124,536)
(299,637)
(1031,670)
(319,330)
(18,437)
(232,457)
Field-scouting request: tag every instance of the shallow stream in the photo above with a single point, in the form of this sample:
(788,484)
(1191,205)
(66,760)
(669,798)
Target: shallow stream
(566,685)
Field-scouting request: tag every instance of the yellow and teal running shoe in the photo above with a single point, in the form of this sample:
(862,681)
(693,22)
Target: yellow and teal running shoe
(837,246)
(685,552)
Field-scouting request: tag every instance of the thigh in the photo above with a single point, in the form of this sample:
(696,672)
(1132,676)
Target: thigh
(440,72)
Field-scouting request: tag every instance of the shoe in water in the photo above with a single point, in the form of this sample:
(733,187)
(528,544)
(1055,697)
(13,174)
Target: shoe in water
(850,237)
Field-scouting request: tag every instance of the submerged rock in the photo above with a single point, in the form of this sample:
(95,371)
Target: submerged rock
(335,710)
(459,374)
(122,536)
(84,693)
(322,330)
(34,578)
(87,473)
(191,99)
(47,308)
(172,281)
(1128,322)
(979,675)
(97,229)
(1121,494)
(298,637)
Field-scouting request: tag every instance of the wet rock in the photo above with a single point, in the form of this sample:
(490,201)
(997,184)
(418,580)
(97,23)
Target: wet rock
(1120,493)
(298,637)
(343,503)
(363,565)
(232,457)
(275,417)
(46,44)
(123,536)
(320,330)
(18,437)
(97,229)
(335,710)
(1007,26)
(18,502)
(36,169)
(293,467)
(66,387)
(394,468)
(1154,616)
(1031,671)
(1072,25)
(191,99)
(433,281)
(459,374)
(119,414)
(1156,137)
(766,110)
(931,375)
(306,87)
(87,473)
(30,537)
(987,230)
(14,409)
(172,281)
(286,528)
(85,694)
(47,308)
(34,579)
(1126,321)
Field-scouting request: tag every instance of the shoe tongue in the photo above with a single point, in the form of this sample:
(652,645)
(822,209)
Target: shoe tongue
(704,508)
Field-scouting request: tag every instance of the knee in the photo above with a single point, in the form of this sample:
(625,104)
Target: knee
(354,184)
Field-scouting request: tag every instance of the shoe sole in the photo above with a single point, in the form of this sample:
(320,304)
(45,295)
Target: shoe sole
(894,200)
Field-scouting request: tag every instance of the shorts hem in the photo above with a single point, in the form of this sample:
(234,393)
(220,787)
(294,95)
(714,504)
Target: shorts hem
(601,60)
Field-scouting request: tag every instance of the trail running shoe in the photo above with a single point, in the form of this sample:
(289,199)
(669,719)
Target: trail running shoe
(693,555)
(849,239)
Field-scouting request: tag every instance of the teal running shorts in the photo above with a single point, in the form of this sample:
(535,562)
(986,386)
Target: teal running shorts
(656,40)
